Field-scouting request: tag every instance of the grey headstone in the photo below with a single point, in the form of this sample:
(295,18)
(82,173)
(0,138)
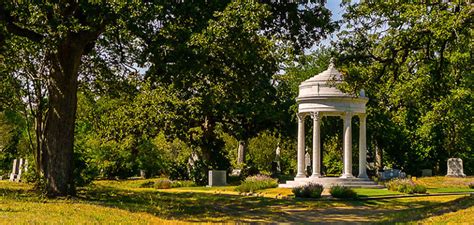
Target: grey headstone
(426,173)
(403,175)
(455,168)
(388,174)
(217,178)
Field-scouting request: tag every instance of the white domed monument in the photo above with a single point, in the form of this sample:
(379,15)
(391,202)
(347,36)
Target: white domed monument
(319,97)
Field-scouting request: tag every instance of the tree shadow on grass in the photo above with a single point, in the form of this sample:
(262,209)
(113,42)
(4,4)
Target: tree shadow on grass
(424,209)
(207,207)
(201,207)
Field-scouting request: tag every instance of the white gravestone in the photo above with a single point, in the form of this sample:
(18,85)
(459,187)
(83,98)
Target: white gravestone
(21,166)
(217,178)
(455,168)
(14,170)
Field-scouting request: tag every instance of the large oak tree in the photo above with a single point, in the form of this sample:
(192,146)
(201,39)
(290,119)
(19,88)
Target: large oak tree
(65,32)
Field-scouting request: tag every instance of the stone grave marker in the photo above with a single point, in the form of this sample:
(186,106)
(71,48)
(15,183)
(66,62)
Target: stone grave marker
(388,174)
(217,178)
(236,172)
(21,166)
(15,168)
(455,168)
(426,173)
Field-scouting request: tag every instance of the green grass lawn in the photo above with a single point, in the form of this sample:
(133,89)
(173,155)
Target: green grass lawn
(373,192)
(126,203)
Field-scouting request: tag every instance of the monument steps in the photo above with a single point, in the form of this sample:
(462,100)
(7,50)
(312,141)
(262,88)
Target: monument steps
(327,182)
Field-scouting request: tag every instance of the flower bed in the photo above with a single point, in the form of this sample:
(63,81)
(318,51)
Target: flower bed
(310,190)
(405,186)
(257,182)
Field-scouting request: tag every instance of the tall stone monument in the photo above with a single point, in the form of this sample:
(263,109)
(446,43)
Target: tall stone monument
(19,166)
(14,172)
(277,160)
(307,162)
(455,168)
(241,152)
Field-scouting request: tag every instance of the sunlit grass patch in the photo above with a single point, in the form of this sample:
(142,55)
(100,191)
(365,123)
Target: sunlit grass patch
(124,202)
(375,192)
(444,182)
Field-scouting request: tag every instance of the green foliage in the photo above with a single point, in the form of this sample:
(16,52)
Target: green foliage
(310,190)
(255,183)
(14,141)
(261,151)
(415,63)
(162,184)
(198,173)
(332,155)
(183,183)
(342,192)
(147,184)
(405,186)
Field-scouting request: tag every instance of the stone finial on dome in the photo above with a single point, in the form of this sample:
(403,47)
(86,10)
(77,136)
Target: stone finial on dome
(331,63)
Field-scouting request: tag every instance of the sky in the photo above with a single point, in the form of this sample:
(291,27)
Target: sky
(334,6)
(337,11)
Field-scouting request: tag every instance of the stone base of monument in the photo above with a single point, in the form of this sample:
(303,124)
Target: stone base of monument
(328,182)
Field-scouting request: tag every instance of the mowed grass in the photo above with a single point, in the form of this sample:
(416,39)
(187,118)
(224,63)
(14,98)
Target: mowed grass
(442,184)
(126,203)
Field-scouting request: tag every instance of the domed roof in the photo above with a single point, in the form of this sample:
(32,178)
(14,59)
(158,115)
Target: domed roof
(331,74)
(323,84)
(320,93)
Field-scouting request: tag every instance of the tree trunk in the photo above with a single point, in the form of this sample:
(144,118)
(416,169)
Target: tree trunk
(59,130)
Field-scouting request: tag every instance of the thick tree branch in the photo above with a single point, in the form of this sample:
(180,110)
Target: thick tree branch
(12,27)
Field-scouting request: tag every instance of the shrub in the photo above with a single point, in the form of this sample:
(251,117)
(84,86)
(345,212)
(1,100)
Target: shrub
(147,184)
(471,185)
(162,184)
(419,189)
(342,192)
(258,182)
(182,183)
(405,186)
(310,190)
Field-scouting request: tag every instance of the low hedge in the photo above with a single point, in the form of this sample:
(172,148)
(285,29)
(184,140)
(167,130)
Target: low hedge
(257,182)
(167,183)
(342,192)
(405,186)
(310,190)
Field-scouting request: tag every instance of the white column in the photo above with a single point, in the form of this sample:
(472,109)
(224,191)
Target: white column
(362,147)
(301,173)
(347,173)
(316,144)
